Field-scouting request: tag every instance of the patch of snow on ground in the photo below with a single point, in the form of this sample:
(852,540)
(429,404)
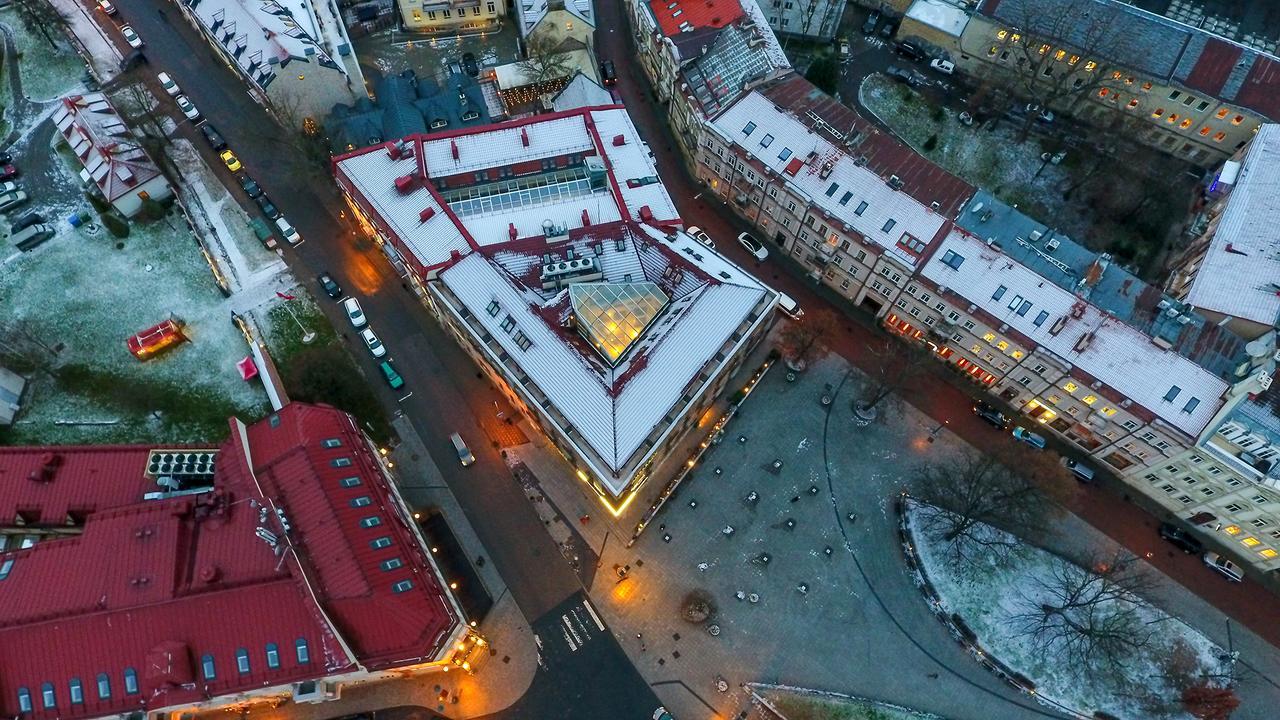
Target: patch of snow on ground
(988,594)
(103,53)
(47,73)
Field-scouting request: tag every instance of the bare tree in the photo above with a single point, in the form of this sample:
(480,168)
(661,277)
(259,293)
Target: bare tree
(544,62)
(148,119)
(303,136)
(41,16)
(23,347)
(1090,616)
(895,366)
(1209,702)
(807,339)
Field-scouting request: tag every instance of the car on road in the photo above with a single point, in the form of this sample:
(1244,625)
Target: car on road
(910,77)
(355,313)
(212,137)
(11,200)
(8,172)
(909,50)
(789,307)
(1044,115)
(1181,539)
(130,36)
(168,84)
(372,342)
(187,107)
(888,29)
(1082,472)
(842,47)
(8,187)
(608,74)
(329,285)
(946,67)
(250,186)
(231,161)
(289,232)
(869,27)
(469,64)
(1036,441)
(106,7)
(464,453)
(26,221)
(701,236)
(1223,566)
(267,207)
(990,415)
(662,714)
(753,246)
(389,372)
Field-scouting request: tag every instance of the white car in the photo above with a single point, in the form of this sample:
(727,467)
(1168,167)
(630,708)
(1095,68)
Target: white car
(753,246)
(289,232)
(8,187)
(946,67)
(352,307)
(372,342)
(130,36)
(169,85)
(1223,566)
(187,107)
(701,236)
(106,7)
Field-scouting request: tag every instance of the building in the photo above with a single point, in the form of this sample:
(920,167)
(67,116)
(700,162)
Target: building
(12,385)
(452,17)
(551,250)
(557,20)
(112,158)
(581,92)
(278,567)
(1230,272)
(295,56)
(807,19)
(1183,89)
(405,104)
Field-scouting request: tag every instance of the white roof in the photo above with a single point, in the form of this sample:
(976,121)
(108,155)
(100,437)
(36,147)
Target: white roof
(267,38)
(939,14)
(783,131)
(1240,273)
(1118,355)
(771,45)
(532,11)
(582,91)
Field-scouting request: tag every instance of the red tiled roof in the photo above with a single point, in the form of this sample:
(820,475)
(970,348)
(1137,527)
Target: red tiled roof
(1261,88)
(163,582)
(674,15)
(1213,67)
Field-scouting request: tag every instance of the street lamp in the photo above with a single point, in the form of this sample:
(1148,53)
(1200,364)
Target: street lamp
(307,335)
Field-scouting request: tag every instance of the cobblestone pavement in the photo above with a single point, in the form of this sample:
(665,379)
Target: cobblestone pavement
(387,52)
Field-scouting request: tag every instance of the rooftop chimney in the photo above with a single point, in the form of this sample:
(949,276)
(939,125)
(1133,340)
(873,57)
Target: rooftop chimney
(524,137)
(619,140)
(427,214)
(511,230)
(453,145)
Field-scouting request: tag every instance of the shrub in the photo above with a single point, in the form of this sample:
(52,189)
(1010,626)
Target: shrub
(117,227)
(823,72)
(152,210)
(931,143)
(939,114)
(98,202)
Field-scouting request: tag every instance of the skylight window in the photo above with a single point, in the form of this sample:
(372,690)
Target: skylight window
(888,225)
(207,667)
(242,661)
(845,200)
(362,501)
(786,153)
(611,316)
(1191,405)
(492,308)
(999,293)
(371,521)
(6,566)
(331,443)
(380,543)
(392,564)
(304,653)
(273,656)
(340,462)
(402,586)
(750,128)
(831,190)
(104,686)
(952,259)
(862,207)
(1040,318)
(130,681)
(766,141)
(349,482)
(1173,393)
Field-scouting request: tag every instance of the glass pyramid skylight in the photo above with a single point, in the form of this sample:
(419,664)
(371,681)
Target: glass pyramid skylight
(612,315)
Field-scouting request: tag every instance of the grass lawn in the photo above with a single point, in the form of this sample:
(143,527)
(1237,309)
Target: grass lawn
(48,72)
(802,706)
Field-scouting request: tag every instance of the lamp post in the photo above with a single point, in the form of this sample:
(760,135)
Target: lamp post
(307,335)
(933,434)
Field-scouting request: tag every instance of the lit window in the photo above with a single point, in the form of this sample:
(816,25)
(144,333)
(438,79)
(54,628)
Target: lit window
(1231,529)
(1104,92)
(989,337)
(1016,354)
(1044,49)
(1146,86)
(1002,345)
(1158,112)
(1237,120)
(1116,75)
(991,51)
(1014,38)
(1251,542)
(975,349)
(1090,399)
(1222,112)
(1055,399)
(1070,387)
(1186,123)
(1090,66)
(1060,55)
(1173,118)
(1108,411)
(1268,553)
(1132,104)
(1001,35)
(1219,137)
(1073,59)
(1204,131)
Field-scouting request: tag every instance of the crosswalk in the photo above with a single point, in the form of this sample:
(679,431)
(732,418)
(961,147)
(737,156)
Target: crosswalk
(568,631)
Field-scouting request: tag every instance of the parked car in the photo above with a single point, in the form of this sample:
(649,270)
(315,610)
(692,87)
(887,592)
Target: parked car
(464,453)
(662,714)
(910,77)
(1181,539)
(168,84)
(6,158)
(389,372)
(909,50)
(372,342)
(8,187)
(354,313)
(1034,440)
(701,236)
(232,162)
(888,29)
(469,64)
(946,67)
(31,237)
(130,36)
(106,7)
(26,221)
(789,307)
(250,186)
(267,207)
(8,172)
(1044,115)
(608,74)
(869,27)
(1223,566)
(842,47)
(1082,472)
(992,416)
(290,233)
(187,107)
(212,137)
(329,285)
(753,246)
(11,200)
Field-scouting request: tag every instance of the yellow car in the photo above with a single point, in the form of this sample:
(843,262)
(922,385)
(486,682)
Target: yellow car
(233,163)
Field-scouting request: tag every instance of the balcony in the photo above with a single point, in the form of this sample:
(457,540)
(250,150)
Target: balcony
(1261,470)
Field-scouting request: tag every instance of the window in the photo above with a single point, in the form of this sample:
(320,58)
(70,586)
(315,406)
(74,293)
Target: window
(888,225)
(380,543)
(1108,411)
(766,141)
(304,654)
(831,190)
(448,13)
(392,564)
(1186,123)
(340,462)
(273,656)
(104,686)
(1173,393)
(492,308)
(522,341)
(1070,387)
(968,324)
(1090,399)
(490,8)
(130,681)
(989,337)
(1090,66)
(47,698)
(1222,112)
(952,260)
(371,521)
(862,207)
(349,482)
(1260,500)
(402,586)
(1234,507)
(1024,307)
(331,443)
(748,129)
(786,153)
(1130,425)
(1237,120)
(1175,94)
(362,501)
(1191,405)
(1259,522)
(1133,104)
(1204,131)
(1157,113)
(242,661)
(6,566)
(1040,318)
(24,700)
(1220,137)
(207,667)
(77,691)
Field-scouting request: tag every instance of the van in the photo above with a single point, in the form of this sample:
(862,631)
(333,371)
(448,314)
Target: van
(1083,472)
(789,307)
(1223,566)
(464,453)
(29,238)
(290,234)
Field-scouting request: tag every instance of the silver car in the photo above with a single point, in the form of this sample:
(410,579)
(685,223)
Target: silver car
(11,200)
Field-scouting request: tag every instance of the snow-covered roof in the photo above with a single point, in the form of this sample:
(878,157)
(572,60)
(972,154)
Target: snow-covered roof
(1240,273)
(581,91)
(833,179)
(533,11)
(614,180)
(264,36)
(769,42)
(940,15)
(1174,388)
(611,408)
(112,158)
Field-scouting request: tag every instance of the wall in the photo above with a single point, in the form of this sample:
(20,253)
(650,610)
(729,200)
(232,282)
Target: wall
(812,19)
(452,16)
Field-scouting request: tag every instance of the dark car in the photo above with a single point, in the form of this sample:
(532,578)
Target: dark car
(910,77)
(329,285)
(910,51)
(8,172)
(888,29)
(991,415)
(5,158)
(869,27)
(267,207)
(250,186)
(1181,539)
(469,64)
(608,73)
(212,137)
(26,221)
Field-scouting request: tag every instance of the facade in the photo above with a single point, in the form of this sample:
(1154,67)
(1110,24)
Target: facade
(111,157)
(552,252)
(295,56)
(1230,272)
(278,567)
(808,19)
(1185,90)
(12,387)
(452,17)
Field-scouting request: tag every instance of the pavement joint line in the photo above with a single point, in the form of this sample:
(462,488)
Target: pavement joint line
(692,692)
(586,602)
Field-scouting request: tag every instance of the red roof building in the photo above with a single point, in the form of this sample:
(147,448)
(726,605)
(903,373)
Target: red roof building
(677,16)
(286,564)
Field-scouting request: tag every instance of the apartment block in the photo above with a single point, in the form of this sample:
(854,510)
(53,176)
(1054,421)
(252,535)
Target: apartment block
(451,17)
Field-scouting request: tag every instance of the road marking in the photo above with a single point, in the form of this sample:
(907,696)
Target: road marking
(587,604)
(406,397)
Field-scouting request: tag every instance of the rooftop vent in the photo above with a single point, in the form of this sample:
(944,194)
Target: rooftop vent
(894,182)
(189,467)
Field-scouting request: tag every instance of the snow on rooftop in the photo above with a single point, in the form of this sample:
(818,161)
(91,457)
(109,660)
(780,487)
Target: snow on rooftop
(939,14)
(496,145)
(771,45)
(533,11)
(1241,270)
(631,161)
(779,139)
(1117,354)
